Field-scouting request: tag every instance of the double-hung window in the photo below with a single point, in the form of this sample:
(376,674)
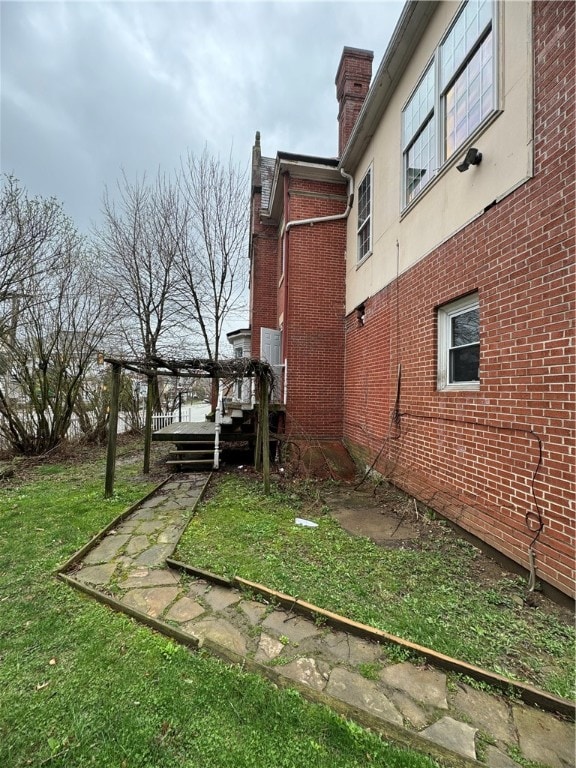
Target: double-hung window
(459,344)
(454,96)
(364,229)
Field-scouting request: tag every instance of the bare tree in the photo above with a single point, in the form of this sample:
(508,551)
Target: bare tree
(210,230)
(48,357)
(30,244)
(137,246)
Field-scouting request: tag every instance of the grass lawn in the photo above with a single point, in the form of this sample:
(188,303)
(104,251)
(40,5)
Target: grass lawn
(429,594)
(83,686)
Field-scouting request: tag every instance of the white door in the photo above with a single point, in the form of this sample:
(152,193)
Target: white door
(270,350)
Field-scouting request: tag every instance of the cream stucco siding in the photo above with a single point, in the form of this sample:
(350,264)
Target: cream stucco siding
(453,198)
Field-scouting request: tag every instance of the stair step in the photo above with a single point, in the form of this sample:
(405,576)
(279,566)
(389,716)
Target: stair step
(192,453)
(190,462)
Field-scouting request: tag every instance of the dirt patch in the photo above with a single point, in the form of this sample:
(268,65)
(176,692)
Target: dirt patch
(392,519)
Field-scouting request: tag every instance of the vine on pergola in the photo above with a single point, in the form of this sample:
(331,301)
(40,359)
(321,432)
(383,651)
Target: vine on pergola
(153,367)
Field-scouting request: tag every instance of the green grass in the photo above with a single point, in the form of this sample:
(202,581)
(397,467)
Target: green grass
(81,685)
(430,595)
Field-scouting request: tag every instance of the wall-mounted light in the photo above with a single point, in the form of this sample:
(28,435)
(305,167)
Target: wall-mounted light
(473,157)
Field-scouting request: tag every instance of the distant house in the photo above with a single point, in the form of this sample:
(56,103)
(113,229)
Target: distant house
(418,290)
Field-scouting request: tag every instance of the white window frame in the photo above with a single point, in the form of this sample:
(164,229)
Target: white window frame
(366,222)
(415,120)
(446,313)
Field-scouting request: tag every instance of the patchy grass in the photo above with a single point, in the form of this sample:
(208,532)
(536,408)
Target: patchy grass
(83,686)
(430,595)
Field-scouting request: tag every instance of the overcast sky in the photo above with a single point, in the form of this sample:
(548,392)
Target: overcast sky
(91,88)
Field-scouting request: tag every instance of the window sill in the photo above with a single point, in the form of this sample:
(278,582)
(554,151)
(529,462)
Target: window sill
(473,386)
(363,260)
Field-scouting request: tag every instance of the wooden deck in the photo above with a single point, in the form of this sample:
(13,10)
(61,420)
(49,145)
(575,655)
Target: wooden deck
(191,431)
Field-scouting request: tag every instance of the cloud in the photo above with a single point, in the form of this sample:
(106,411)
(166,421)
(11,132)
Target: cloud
(91,88)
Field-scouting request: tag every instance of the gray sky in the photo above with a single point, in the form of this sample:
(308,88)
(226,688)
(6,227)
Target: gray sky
(90,88)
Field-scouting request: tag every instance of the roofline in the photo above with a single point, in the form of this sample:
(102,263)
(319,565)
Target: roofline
(320,168)
(406,36)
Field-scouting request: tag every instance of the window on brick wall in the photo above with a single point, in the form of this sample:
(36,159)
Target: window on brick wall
(364,228)
(455,96)
(459,344)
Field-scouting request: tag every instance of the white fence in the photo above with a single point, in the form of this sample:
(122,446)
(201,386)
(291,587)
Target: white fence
(195,412)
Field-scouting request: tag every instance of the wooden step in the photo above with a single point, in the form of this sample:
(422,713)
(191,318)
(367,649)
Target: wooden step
(201,451)
(190,462)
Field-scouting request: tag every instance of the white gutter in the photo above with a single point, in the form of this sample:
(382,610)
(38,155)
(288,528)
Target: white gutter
(334,217)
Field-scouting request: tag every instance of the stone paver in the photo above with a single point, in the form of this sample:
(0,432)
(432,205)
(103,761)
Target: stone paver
(219,598)
(487,713)
(304,671)
(136,544)
(96,574)
(291,626)
(219,631)
(543,739)
(185,609)
(426,685)
(152,601)
(295,648)
(107,549)
(450,733)
(364,694)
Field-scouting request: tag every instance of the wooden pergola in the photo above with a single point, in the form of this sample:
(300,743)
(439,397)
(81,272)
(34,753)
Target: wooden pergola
(153,367)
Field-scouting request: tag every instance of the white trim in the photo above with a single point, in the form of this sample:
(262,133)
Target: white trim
(445,315)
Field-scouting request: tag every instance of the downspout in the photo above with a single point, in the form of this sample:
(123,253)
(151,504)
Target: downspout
(299,222)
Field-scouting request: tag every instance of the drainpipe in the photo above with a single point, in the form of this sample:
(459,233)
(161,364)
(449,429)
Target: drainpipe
(300,222)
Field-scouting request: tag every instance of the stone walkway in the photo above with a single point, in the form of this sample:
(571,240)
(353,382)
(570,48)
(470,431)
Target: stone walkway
(409,704)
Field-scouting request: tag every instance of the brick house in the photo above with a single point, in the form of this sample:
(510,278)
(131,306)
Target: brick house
(417,291)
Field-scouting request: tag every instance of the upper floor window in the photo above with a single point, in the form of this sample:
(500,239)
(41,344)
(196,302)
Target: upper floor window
(454,96)
(459,344)
(364,229)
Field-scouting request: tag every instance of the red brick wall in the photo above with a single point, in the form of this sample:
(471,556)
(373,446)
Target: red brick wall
(263,276)
(488,475)
(314,319)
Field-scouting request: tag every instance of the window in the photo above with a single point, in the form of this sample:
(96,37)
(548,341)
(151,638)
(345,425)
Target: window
(365,216)
(459,344)
(455,95)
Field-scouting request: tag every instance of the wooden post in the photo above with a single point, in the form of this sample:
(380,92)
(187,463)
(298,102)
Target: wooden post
(258,448)
(112,431)
(148,427)
(265,436)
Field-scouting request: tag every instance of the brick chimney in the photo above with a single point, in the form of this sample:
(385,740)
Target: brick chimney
(352,84)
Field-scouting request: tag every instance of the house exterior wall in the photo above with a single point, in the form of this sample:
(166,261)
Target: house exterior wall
(263,274)
(452,199)
(312,310)
(499,461)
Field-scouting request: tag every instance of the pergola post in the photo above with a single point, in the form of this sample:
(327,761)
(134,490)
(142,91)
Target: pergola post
(148,427)
(112,431)
(265,432)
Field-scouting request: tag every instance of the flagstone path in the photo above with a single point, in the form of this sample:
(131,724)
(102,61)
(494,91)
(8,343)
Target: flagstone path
(411,704)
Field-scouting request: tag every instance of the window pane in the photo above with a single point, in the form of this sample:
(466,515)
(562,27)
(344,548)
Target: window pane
(470,99)
(364,241)
(469,26)
(421,161)
(465,328)
(419,107)
(465,364)
(364,200)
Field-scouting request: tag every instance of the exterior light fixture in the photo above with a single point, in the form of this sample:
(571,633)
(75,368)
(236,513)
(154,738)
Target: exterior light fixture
(473,157)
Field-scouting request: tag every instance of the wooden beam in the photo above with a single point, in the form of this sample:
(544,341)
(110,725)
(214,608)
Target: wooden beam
(148,427)
(112,431)
(265,434)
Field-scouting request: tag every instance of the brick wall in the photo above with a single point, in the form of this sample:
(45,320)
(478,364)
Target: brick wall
(497,459)
(314,320)
(263,275)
